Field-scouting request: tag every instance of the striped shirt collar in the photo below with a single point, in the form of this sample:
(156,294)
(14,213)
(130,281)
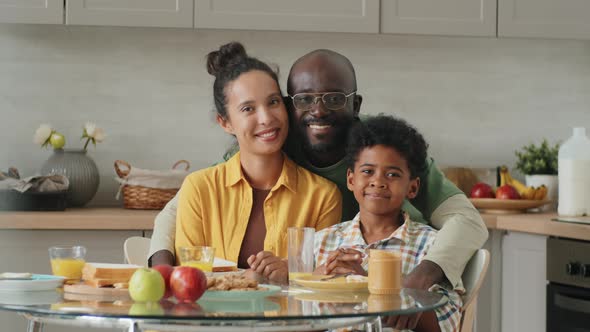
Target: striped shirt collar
(401,234)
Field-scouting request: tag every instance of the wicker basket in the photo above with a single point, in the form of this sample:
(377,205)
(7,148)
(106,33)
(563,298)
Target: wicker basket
(144,198)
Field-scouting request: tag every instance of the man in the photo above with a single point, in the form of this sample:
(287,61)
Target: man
(325,105)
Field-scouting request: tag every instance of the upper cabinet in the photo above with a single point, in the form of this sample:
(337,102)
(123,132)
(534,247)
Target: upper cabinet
(435,17)
(544,18)
(503,18)
(32,11)
(289,15)
(147,13)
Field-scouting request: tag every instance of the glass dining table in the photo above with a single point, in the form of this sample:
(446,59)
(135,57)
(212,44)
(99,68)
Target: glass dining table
(290,309)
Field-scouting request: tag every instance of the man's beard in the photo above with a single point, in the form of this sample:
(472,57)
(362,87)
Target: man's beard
(337,141)
(324,146)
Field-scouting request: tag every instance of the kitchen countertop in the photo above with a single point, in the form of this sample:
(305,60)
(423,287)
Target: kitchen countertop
(80,219)
(124,219)
(537,223)
(542,223)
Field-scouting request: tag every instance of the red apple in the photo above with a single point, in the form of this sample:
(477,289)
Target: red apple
(507,192)
(188,283)
(165,270)
(482,190)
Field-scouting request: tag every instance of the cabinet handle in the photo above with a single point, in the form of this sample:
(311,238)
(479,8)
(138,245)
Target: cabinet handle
(572,304)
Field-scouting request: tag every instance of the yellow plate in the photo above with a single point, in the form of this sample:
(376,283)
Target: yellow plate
(336,284)
(506,206)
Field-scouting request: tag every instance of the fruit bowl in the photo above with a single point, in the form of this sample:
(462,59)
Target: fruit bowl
(506,206)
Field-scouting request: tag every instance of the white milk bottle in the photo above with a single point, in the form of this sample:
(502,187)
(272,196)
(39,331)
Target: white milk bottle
(574,175)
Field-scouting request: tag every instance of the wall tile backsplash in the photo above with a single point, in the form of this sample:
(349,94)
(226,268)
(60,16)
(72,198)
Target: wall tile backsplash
(475,99)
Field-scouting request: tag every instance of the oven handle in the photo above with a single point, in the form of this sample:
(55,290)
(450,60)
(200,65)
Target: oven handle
(572,304)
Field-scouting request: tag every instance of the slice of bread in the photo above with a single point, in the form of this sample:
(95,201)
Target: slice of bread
(222,265)
(93,271)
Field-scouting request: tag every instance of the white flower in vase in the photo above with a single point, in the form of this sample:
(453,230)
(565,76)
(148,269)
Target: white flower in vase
(42,135)
(93,134)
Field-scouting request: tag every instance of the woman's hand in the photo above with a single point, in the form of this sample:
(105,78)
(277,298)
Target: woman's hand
(270,267)
(344,260)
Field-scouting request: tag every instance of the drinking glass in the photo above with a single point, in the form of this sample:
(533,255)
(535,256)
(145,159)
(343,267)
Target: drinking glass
(300,252)
(67,261)
(200,257)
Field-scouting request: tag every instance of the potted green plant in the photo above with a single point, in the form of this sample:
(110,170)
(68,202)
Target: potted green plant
(539,165)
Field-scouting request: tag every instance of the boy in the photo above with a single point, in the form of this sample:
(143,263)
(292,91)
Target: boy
(382,174)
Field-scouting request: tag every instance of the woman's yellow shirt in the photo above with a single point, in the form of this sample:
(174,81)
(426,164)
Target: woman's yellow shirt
(215,203)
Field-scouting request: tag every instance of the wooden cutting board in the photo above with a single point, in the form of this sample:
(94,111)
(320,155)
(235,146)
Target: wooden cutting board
(106,292)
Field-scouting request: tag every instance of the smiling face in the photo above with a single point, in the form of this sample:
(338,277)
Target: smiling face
(320,128)
(381,181)
(256,114)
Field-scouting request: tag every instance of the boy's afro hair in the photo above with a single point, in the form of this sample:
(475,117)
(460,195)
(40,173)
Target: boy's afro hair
(392,132)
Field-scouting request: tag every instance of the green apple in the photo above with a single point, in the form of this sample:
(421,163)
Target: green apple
(57,140)
(146,309)
(146,285)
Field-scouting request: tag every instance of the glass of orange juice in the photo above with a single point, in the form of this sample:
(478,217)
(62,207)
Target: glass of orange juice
(200,257)
(67,261)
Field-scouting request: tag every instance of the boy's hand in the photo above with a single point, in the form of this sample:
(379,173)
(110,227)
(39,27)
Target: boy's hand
(270,267)
(344,261)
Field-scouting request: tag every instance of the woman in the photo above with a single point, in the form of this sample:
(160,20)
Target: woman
(244,206)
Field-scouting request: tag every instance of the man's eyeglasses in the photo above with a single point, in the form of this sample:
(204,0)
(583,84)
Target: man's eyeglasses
(332,100)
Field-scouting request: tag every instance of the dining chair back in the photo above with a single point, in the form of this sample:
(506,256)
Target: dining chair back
(136,250)
(472,278)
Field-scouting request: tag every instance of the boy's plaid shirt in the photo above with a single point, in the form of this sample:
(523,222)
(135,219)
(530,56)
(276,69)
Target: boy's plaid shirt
(412,240)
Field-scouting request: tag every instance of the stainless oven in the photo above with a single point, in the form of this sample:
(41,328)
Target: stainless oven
(568,290)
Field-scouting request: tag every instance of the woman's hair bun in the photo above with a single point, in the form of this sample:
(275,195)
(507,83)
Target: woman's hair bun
(226,55)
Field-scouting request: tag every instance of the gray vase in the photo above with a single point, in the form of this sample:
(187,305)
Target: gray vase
(79,169)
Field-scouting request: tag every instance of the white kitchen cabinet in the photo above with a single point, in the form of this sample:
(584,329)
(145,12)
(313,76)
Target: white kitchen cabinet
(544,18)
(524,282)
(489,301)
(435,17)
(32,11)
(146,13)
(26,251)
(289,15)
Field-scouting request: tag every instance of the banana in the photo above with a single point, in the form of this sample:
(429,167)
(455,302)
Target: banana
(529,193)
(540,192)
(545,191)
(519,186)
(525,192)
(503,175)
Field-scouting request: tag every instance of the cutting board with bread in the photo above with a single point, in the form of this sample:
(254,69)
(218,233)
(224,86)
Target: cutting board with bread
(112,280)
(104,279)
(99,292)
